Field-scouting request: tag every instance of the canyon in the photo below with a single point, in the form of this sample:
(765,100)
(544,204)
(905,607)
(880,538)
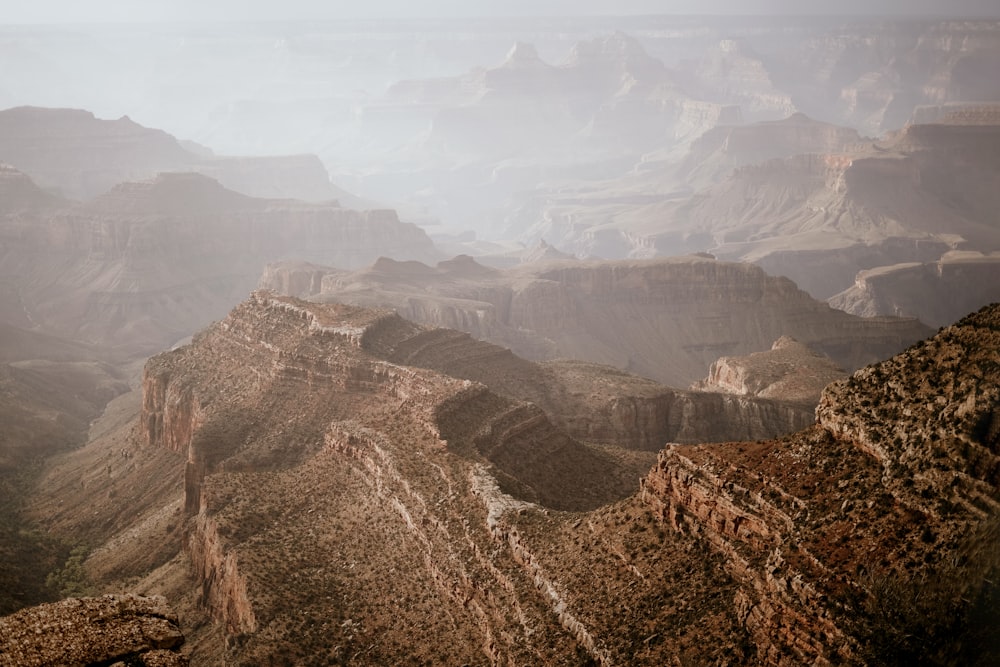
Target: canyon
(582,340)
(818,217)
(301,462)
(666,319)
(149,262)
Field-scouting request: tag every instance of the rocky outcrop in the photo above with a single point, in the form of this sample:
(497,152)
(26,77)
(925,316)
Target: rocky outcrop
(789,371)
(466,417)
(937,293)
(902,461)
(686,312)
(107,630)
(223,585)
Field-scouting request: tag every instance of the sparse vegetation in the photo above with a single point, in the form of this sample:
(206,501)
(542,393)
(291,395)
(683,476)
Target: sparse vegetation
(70,580)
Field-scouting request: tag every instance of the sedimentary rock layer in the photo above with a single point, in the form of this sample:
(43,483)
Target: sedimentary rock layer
(666,319)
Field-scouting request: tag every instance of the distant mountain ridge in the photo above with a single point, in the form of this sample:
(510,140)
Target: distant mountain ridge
(150,262)
(78,156)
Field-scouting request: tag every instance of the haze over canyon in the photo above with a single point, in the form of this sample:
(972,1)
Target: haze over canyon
(374,336)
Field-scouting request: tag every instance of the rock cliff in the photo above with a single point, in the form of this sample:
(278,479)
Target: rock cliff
(357,485)
(683,313)
(893,489)
(789,371)
(937,293)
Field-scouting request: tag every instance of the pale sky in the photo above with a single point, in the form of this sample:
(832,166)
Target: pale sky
(74,11)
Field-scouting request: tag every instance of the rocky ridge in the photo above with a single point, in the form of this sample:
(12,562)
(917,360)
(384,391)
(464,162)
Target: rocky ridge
(316,463)
(898,478)
(150,262)
(789,370)
(685,312)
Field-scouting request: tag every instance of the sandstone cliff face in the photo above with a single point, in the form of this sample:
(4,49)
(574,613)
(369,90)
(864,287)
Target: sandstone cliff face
(682,313)
(112,629)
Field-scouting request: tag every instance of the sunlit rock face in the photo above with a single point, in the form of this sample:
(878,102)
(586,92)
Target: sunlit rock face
(666,319)
(151,262)
(789,371)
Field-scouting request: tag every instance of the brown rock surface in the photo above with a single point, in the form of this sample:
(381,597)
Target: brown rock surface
(895,487)
(344,506)
(107,630)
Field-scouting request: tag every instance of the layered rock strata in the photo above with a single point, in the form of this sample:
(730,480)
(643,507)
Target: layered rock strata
(681,313)
(150,262)
(891,487)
